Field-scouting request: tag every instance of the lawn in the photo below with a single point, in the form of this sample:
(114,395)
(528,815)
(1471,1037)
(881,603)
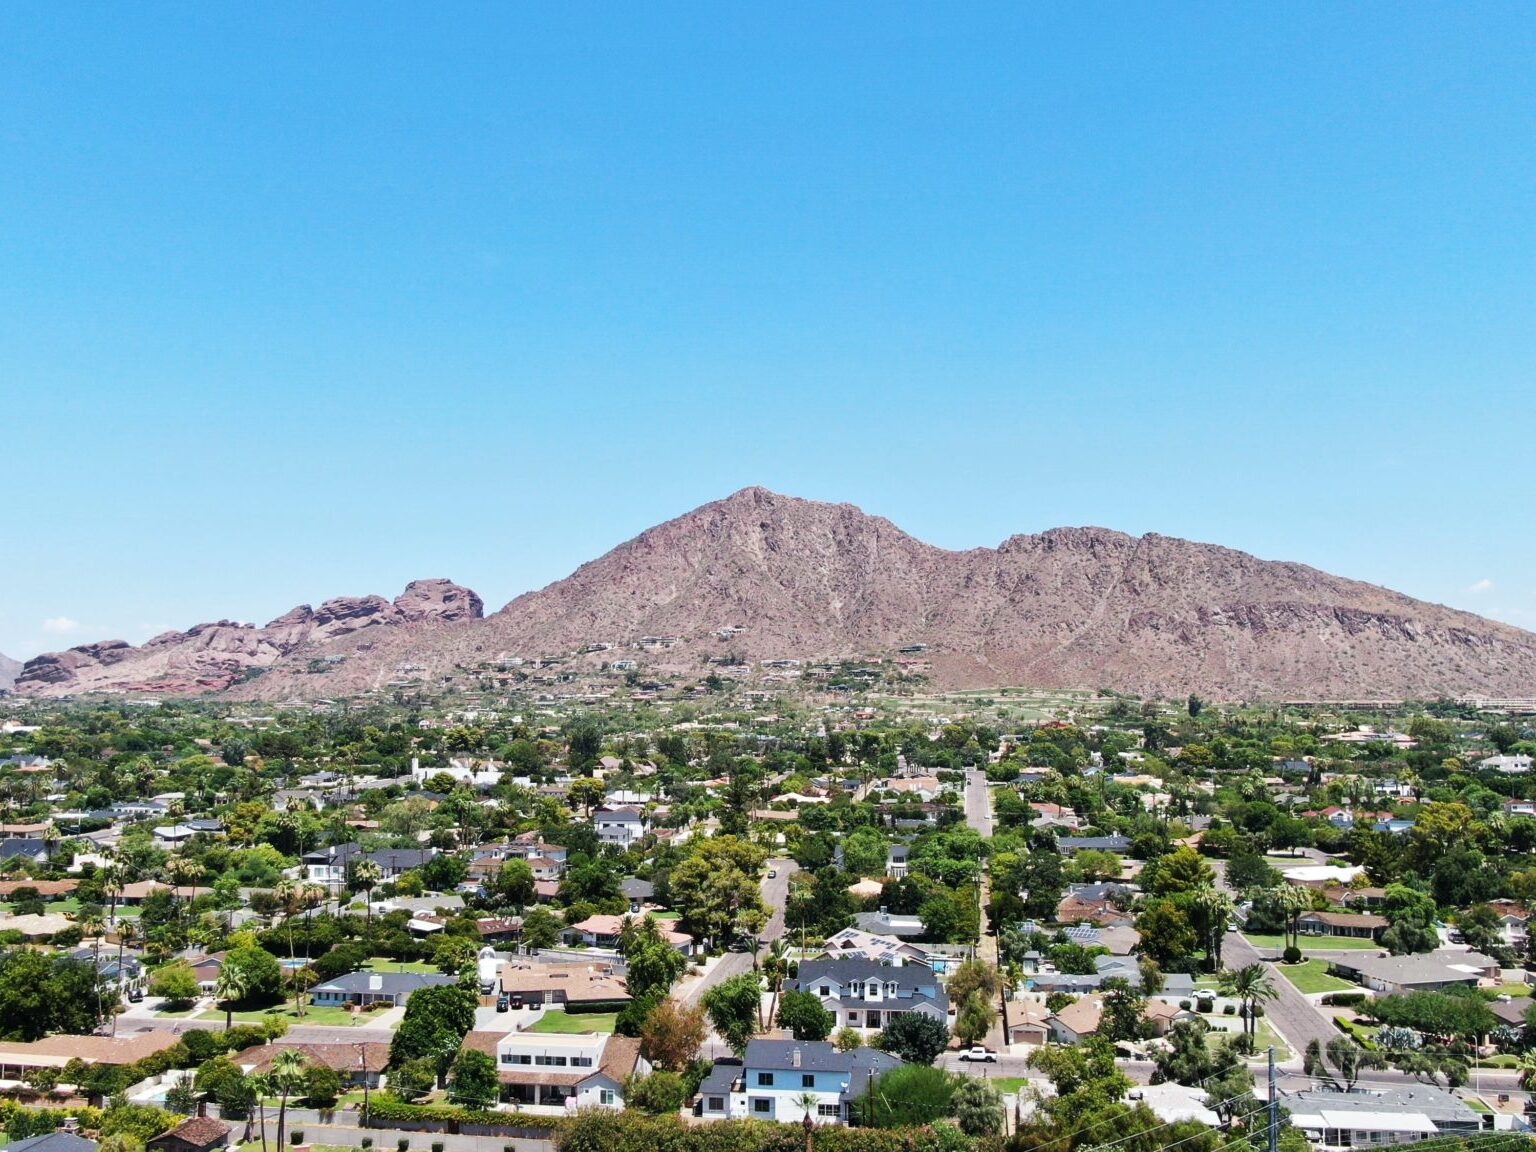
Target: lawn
(1008,1085)
(326,1014)
(1312,976)
(385,964)
(1314,943)
(559,1020)
(1264,1036)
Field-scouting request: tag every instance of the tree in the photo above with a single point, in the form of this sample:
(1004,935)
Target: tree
(1123,1008)
(322,1086)
(1167,936)
(366,875)
(659,1094)
(978,1107)
(847,1039)
(287,1075)
(1350,1059)
(541,929)
(653,963)
(909,1096)
(974,1020)
(865,852)
(413,1079)
(260,971)
(177,983)
(230,988)
(473,1081)
(805,1016)
(1252,985)
(672,1034)
(453,954)
(914,1036)
(435,1023)
(1182,870)
(586,793)
(732,1006)
(514,883)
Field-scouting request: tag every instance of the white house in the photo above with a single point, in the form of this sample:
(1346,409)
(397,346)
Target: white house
(620,826)
(867,995)
(564,1071)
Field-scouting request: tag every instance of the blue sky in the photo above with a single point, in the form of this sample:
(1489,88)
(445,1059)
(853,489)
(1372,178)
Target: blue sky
(307,300)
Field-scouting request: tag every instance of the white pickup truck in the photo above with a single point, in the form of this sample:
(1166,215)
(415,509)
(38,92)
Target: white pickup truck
(979,1054)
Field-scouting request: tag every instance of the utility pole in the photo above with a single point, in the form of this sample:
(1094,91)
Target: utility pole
(1274,1105)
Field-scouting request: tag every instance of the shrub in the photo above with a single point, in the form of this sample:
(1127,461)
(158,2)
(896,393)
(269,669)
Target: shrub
(1229,1010)
(437,1146)
(367,1142)
(296,1137)
(1291,955)
(402,1146)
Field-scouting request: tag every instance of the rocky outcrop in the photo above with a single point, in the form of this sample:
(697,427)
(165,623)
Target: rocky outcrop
(764,576)
(215,656)
(9,670)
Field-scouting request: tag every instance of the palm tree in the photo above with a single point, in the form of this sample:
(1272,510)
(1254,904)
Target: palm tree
(262,1086)
(112,882)
(775,968)
(92,926)
(1250,984)
(808,1102)
(127,932)
(1215,909)
(287,1075)
(232,986)
(1293,900)
(290,898)
(366,874)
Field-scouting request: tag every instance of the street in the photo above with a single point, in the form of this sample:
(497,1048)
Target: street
(978,803)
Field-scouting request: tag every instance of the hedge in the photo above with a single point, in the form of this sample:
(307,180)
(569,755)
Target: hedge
(386,1113)
(601,1130)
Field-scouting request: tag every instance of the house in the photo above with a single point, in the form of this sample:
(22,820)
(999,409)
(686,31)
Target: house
(25,848)
(367,988)
(620,826)
(1366,1118)
(37,926)
(882,949)
(1520,807)
(332,865)
(18,1057)
(896,860)
(1075,909)
(1429,972)
(1077,1021)
(1515,765)
(358,1064)
(1354,925)
(123,975)
(56,1141)
(638,892)
(1028,1022)
(886,923)
(603,931)
(865,995)
(1162,1014)
(775,1078)
(1071,845)
(1514,921)
(573,986)
(141,890)
(557,1070)
(194,1134)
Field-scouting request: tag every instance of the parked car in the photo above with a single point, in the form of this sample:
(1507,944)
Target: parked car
(979,1054)
(772,873)
(503,1002)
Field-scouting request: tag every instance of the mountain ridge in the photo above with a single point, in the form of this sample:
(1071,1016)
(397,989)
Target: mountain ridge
(786,578)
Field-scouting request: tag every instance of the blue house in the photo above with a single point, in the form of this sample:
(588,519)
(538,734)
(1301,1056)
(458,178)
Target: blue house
(774,1078)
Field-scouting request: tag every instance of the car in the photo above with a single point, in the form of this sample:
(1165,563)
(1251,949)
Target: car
(503,1003)
(517,999)
(136,996)
(979,1054)
(773,873)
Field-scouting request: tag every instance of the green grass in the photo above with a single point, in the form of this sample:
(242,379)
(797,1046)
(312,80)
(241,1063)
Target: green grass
(559,1020)
(327,1015)
(1007,1085)
(1475,1104)
(1314,943)
(1512,988)
(385,964)
(1312,976)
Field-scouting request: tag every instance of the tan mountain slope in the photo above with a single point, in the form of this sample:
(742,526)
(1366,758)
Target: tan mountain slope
(799,579)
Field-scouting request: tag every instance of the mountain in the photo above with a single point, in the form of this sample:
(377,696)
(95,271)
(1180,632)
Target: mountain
(779,577)
(9,670)
(213,657)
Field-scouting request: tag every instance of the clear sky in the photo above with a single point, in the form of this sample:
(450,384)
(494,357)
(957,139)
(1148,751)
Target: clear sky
(307,300)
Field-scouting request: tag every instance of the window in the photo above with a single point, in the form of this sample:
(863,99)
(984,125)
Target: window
(807,1080)
(605,1096)
(826,990)
(833,1110)
(765,1079)
(516,1058)
(761,1105)
(581,1061)
(717,1103)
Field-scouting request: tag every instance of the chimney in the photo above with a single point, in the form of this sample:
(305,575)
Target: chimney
(794,1058)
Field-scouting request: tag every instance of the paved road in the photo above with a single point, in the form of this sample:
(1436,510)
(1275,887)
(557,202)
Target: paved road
(978,804)
(776,896)
(1290,1012)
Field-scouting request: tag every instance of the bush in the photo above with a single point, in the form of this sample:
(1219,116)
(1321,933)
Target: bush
(1345,999)
(909,1095)
(402,1146)
(437,1146)
(1291,955)
(296,1137)
(1229,1010)
(367,1142)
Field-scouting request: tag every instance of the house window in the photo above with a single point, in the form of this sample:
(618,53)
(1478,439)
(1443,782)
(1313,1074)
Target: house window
(807,1080)
(605,1096)
(717,1103)
(829,1110)
(826,990)
(765,1079)
(761,1105)
(581,1061)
